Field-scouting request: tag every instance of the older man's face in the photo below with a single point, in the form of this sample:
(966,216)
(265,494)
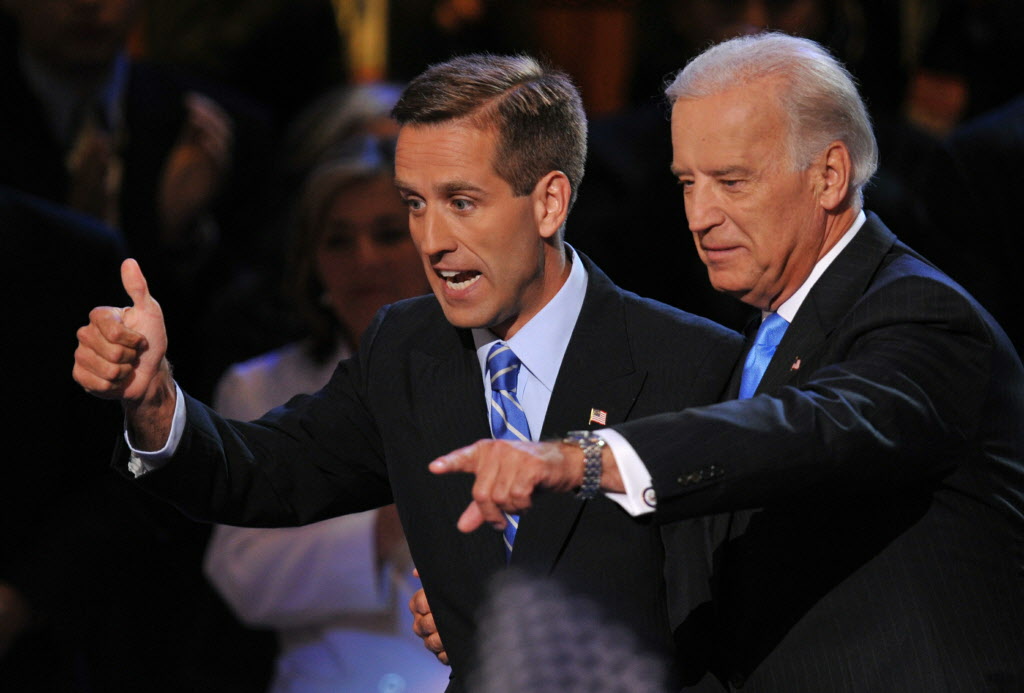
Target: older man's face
(756,220)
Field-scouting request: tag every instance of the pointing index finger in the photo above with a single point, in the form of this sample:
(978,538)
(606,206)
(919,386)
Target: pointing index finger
(461,460)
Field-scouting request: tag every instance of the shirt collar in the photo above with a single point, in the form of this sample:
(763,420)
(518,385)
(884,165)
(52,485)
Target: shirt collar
(792,304)
(541,343)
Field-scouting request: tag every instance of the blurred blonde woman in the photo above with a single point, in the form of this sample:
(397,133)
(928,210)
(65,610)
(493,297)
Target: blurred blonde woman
(336,590)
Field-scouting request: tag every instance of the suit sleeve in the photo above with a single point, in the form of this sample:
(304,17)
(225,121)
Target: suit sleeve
(315,457)
(892,397)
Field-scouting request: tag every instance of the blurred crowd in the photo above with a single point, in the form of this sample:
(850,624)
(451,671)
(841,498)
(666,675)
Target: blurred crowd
(240,150)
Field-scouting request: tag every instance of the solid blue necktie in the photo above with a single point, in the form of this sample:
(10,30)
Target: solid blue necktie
(508,419)
(768,337)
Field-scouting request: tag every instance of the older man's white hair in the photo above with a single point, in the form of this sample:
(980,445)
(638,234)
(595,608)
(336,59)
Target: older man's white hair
(819,97)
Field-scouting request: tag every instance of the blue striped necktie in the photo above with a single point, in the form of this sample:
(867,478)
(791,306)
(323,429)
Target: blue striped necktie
(760,355)
(508,419)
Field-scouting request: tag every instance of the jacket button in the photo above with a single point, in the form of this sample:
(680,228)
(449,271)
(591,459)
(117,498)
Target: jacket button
(689,479)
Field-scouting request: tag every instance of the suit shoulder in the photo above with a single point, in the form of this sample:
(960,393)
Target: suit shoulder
(907,274)
(909,287)
(413,319)
(689,359)
(669,340)
(644,315)
(652,317)
(419,311)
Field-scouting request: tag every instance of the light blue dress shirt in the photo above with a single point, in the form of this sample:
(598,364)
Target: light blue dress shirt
(540,345)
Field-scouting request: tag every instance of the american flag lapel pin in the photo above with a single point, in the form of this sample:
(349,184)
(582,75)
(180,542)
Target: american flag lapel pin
(598,416)
(796,365)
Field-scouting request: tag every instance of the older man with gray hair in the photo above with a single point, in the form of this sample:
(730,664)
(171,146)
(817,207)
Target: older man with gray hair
(863,483)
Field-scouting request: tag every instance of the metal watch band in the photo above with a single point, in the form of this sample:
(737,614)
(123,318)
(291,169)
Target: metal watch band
(591,445)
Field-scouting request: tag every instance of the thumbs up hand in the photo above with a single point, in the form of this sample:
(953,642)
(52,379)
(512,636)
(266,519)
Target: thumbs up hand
(121,355)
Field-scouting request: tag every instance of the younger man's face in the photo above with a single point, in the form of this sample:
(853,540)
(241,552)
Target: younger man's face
(483,248)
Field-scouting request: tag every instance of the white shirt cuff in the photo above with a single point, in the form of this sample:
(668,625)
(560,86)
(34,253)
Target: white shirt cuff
(639,497)
(143,461)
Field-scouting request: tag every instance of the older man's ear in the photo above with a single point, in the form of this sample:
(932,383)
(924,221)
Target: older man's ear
(836,172)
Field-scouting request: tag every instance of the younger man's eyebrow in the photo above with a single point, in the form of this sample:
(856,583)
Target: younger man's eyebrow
(457,186)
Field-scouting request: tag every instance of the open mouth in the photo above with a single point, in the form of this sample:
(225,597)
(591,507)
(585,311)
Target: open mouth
(459,280)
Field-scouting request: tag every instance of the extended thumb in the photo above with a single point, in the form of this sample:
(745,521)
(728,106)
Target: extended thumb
(134,282)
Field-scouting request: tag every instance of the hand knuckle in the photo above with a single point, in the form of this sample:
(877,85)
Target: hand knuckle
(110,372)
(123,355)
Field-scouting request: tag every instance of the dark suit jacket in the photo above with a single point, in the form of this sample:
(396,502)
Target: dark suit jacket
(876,534)
(415,393)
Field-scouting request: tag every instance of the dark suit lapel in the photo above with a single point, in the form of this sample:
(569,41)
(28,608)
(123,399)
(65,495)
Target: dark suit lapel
(597,373)
(831,298)
(448,401)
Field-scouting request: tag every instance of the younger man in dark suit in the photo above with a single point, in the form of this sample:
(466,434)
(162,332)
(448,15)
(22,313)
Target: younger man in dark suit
(489,158)
(875,535)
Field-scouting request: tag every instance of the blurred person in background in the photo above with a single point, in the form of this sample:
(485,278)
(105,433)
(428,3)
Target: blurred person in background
(280,53)
(174,163)
(335,590)
(253,315)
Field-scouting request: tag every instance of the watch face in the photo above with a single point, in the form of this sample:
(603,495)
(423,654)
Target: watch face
(583,439)
(576,437)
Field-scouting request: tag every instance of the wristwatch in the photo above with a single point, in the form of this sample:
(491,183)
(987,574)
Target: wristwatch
(591,445)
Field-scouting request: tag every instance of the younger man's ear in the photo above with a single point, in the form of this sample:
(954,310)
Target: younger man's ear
(553,192)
